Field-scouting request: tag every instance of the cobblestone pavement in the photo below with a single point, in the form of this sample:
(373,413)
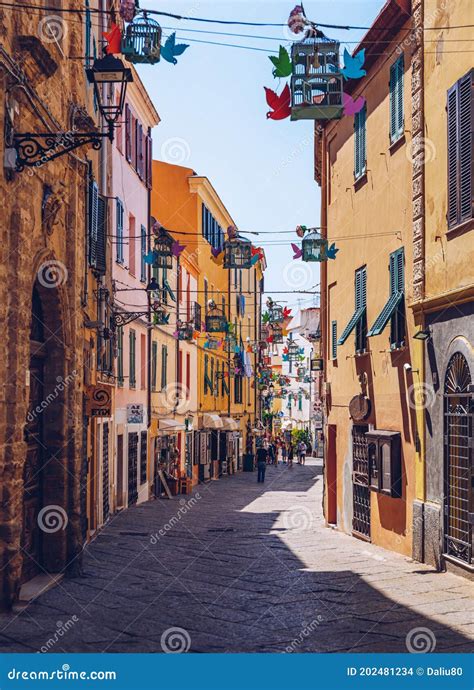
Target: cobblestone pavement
(243,567)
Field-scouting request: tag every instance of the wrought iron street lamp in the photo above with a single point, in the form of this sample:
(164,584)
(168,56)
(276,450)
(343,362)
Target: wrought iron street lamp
(34,149)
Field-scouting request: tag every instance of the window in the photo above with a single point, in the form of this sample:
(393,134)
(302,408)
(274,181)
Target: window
(360,154)
(164,366)
(120,356)
(358,320)
(131,244)
(211,230)
(143,366)
(154,362)
(396,100)
(238,386)
(93,221)
(460,150)
(334,340)
(393,310)
(142,254)
(119,231)
(88,26)
(128,133)
(149,161)
(101,237)
(132,364)
(134,129)
(119,127)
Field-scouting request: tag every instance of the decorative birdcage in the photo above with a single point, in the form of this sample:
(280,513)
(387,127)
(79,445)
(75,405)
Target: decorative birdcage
(160,314)
(293,350)
(212,343)
(216,321)
(317,81)
(230,343)
(163,250)
(300,372)
(185,330)
(277,334)
(275,312)
(141,42)
(237,253)
(314,247)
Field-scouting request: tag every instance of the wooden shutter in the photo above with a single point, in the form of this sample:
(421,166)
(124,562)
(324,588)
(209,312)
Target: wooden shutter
(120,355)
(119,231)
(465,139)
(359,143)
(132,362)
(142,254)
(93,219)
(452,157)
(334,339)
(149,161)
(128,133)
(154,358)
(361,288)
(396,99)
(101,239)
(139,144)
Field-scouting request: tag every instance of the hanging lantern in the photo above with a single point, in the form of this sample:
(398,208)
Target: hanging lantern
(317,80)
(277,332)
(314,247)
(293,350)
(163,250)
(216,321)
(141,42)
(238,253)
(185,330)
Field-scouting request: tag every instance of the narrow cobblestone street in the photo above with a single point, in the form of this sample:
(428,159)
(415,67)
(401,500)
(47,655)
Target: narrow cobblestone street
(243,567)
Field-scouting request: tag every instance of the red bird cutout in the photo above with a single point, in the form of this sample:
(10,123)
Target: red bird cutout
(113,38)
(280,104)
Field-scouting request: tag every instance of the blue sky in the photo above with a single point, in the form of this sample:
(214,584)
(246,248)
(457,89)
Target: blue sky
(213,110)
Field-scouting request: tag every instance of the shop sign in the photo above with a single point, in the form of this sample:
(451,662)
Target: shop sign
(99,401)
(135,413)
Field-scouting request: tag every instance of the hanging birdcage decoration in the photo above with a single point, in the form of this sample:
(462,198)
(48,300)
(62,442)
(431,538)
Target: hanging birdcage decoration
(237,253)
(317,81)
(141,42)
(212,343)
(314,247)
(277,334)
(163,250)
(293,351)
(160,314)
(185,330)
(230,343)
(275,312)
(300,372)
(216,321)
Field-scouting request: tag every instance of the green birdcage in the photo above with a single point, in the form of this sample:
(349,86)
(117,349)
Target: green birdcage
(314,247)
(238,253)
(141,42)
(163,250)
(216,321)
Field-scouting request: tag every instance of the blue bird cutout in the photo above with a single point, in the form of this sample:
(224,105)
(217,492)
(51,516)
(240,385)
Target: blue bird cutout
(332,251)
(149,258)
(353,65)
(170,49)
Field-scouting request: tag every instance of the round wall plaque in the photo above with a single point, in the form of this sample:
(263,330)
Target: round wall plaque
(359,407)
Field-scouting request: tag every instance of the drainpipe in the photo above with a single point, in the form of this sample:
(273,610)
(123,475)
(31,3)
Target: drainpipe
(228,320)
(149,333)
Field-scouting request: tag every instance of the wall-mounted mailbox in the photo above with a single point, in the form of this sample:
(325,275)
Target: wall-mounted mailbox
(385,462)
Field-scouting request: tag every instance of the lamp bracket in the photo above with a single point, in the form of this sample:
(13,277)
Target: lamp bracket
(33,149)
(122,318)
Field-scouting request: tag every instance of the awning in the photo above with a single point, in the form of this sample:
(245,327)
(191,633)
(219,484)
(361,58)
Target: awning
(211,421)
(169,425)
(230,424)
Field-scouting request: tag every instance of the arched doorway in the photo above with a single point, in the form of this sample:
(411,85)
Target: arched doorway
(32,543)
(45,476)
(458,428)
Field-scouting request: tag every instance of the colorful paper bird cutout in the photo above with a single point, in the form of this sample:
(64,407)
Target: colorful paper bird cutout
(280,104)
(215,251)
(332,251)
(353,65)
(177,248)
(298,253)
(170,49)
(282,63)
(300,230)
(351,106)
(114,39)
(149,258)
(297,19)
(254,260)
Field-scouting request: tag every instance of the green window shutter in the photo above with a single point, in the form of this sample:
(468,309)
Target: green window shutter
(360,143)
(93,222)
(225,387)
(334,340)
(355,318)
(396,99)
(132,364)
(400,113)
(154,359)
(164,366)
(386,314)
(300,402)
(360,289)
(356,146)
(397,287)
(143,254)
(212,376)
(120,356)
(88,25)
(119,232)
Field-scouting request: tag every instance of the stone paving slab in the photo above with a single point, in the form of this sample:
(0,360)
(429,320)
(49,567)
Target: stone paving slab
(246,568)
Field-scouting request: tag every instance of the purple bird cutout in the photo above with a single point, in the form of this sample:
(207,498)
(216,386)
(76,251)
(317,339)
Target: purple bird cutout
(177,248)
(351,106)
(215,251)
(298,253)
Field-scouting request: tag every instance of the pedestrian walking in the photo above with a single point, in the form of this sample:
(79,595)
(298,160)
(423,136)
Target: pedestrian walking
(262,457)
(284,453)
(291,452)
(271,453)
(302,452)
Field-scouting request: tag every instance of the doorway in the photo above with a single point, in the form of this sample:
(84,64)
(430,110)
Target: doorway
(360,483)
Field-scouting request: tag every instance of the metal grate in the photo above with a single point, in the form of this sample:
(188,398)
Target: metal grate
(105,471)
(360,482)
(459,414)
(143,456)
(132,468)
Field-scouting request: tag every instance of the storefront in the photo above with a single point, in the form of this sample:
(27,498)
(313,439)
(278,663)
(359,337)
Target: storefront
(167,466)
(229,446)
